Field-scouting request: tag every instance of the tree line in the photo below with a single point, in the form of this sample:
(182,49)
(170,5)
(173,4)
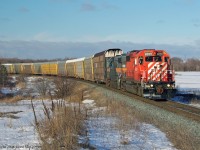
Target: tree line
(190,64)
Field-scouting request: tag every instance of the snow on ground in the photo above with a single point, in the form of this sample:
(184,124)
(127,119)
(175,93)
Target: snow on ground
(104,135)
(7,91)
(10,90)
(17,122)
(19,131)
(188,85)
(188,80)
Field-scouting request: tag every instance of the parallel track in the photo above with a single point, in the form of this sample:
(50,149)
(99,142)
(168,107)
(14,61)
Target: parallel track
(187,111)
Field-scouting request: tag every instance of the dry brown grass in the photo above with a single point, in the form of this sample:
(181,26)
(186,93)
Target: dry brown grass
(13,99)
(62,123)
(114,107)
(182,139)
(10,114)
(195,101)
(77,94)
(60,127)
(21,85)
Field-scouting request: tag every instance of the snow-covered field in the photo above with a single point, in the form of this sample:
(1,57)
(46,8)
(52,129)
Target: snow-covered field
(103,135)
(189,81)
(188,85)
(17,129)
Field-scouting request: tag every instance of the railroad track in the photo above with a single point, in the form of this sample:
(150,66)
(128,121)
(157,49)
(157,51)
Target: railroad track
(192,113)
(187,111)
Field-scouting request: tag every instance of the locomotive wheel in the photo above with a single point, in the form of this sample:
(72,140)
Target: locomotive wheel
(123,87)
(119,84)
(140,91)
(108,82)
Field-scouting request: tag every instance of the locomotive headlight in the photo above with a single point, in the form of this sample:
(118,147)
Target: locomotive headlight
(151,85)
(168,85)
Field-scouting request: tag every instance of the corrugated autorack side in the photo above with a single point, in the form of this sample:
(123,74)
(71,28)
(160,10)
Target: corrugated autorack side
(49,68)
(147,73)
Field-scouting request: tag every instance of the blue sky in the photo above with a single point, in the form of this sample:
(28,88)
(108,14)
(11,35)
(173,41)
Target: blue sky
(76,28)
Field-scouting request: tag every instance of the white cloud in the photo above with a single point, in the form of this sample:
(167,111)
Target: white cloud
(134,38)
(36,49)
(137,39)
(48,37)
(43,36)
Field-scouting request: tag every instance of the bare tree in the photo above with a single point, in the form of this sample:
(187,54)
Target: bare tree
(193,64)
(43,86)
(177,63)
(63,87)
(190,64)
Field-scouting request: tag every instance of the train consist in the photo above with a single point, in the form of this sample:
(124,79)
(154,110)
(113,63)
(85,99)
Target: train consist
(147,73)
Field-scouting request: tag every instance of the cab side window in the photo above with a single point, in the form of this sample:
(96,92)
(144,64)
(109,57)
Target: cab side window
(167,59)
(140,60)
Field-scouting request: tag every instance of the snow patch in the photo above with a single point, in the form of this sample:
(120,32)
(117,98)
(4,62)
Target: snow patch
(188,80)
(188,86)
(103,134)
(20,133)
(88,101)
(7,91)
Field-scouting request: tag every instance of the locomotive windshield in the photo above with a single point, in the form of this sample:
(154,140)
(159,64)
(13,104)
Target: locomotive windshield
(149,58)
(153,59)
(157,59)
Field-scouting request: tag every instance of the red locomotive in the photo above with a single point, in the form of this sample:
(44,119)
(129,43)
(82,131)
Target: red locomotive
(147,73)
